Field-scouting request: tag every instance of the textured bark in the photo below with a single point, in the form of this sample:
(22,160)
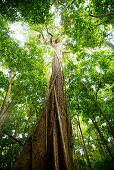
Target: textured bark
(49,146)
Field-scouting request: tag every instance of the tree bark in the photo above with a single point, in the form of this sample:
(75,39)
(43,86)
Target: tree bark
(50,144)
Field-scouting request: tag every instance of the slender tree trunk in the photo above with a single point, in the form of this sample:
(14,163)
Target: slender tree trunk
(77,165)
(85,150)
(11,149)
(106,118)
(7,94)
(4,109)
(101,136)
(100,143)
(30,125)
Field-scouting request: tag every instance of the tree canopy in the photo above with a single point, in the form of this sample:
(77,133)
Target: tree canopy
(85,31)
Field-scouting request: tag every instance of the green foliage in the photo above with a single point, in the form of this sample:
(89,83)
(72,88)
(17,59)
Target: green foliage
(105,164)
(93,69)
(101,7)
(83,29)
(31,11)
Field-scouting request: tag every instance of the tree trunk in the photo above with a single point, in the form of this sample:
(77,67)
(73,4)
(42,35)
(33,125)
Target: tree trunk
(85,150)
(103,152)
(49,146)
(4,108)
(102,137)
(104,115)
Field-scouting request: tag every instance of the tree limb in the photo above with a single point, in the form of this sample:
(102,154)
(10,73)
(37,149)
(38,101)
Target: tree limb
(58,38)
(43,38)
(104,22)
(84,146)
(14,139)
(102,15)
(110,44)
(66,52)
(51,35)
(98,89)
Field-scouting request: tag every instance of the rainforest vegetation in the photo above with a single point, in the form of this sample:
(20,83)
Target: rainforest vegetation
(56,72)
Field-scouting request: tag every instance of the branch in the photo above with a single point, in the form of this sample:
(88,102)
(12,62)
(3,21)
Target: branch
(104,22)
(102,16)
(49,32)
(110,44)
(51,38)
(66,52)
(58,38)
(14,139)
(43,37)
(98,89)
